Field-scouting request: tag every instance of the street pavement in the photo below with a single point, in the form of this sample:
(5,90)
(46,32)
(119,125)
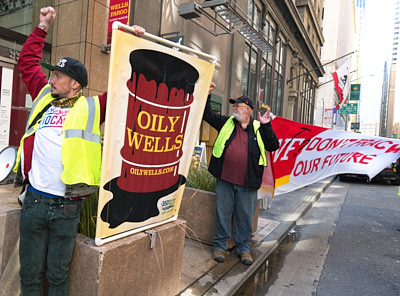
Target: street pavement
(346,244)
(364,255)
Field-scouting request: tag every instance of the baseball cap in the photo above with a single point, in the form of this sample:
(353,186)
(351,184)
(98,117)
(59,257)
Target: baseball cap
(73,68)
(243,99)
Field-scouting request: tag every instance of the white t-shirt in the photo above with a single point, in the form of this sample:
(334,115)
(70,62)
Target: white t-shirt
(46,169)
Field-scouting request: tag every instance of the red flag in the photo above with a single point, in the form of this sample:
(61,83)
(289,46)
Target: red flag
(340,77)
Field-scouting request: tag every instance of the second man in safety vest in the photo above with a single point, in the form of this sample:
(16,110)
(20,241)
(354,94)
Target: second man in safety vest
(238,162)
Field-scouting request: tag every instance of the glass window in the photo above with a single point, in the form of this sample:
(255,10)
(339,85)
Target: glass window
(253,74)
(16,20)
(249,81)
(274,91)
(16,16)
(257,18)
(250,7)
(277,93)
(307,96)
(245,78)
(254,15)
(268,97)
(263,78)
(271,36)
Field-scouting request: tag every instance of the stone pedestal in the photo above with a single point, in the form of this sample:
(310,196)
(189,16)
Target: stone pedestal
(127,266)
(198,210)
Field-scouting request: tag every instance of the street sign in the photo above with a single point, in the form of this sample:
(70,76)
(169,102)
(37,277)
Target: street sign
(178,40)
(355,92)
(334,116)
(355,125)
(349,109)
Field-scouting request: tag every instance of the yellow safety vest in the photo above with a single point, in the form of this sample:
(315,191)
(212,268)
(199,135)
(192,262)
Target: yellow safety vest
(225,133)
(81,143)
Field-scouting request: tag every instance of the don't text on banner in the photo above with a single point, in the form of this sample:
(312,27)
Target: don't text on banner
(310,153)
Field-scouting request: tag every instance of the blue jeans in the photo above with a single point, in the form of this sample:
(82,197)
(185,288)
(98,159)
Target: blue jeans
(234,198)
(48,229)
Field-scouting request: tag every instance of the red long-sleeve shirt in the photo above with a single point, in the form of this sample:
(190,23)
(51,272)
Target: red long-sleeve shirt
(32,74)
(35,79)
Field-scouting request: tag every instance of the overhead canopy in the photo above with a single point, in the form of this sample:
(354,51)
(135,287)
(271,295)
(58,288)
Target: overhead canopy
(228,18)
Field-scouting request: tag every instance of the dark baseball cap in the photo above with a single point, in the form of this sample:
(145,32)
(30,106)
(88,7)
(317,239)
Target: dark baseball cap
(243,99)
(73,68)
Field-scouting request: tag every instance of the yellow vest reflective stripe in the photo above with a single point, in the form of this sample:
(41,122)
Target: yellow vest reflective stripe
(263,158)
(81,145)
(223,136)
(225,133)
(87,133)
(81,149)
(39,103)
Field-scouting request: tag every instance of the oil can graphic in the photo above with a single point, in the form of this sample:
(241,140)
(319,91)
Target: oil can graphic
(161,91)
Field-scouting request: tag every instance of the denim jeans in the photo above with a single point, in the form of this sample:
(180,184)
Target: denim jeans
(234,198)
(48,229)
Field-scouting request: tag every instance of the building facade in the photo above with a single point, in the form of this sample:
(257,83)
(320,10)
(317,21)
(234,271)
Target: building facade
(278,64)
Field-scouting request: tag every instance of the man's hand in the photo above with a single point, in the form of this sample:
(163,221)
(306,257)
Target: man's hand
(47,16)
(265,118)
(212,87)
(139,31)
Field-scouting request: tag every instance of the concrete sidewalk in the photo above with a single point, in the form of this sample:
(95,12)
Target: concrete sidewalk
(8,202)
(201,275)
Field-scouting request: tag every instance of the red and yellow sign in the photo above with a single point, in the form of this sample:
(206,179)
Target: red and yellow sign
(118,11)
(156,98)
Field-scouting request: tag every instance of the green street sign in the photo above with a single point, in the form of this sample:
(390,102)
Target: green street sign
(355,92)
(349,109)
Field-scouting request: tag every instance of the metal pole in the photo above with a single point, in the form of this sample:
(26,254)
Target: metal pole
(117,25)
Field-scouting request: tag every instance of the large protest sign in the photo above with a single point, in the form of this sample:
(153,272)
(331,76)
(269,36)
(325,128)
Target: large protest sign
(310,153)
(156,98)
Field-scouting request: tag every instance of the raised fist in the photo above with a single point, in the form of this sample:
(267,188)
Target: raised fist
(47,15)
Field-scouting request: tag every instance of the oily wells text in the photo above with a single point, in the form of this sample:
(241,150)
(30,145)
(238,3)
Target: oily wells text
(155,123)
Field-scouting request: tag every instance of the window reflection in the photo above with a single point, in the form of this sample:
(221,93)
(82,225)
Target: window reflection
(15,23)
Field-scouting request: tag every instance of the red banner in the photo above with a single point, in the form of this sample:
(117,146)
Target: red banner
(310,153)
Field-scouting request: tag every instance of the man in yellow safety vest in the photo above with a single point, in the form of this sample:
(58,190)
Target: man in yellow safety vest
(58,161)
(238,160)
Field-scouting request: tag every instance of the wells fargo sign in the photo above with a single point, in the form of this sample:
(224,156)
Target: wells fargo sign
(118,11)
